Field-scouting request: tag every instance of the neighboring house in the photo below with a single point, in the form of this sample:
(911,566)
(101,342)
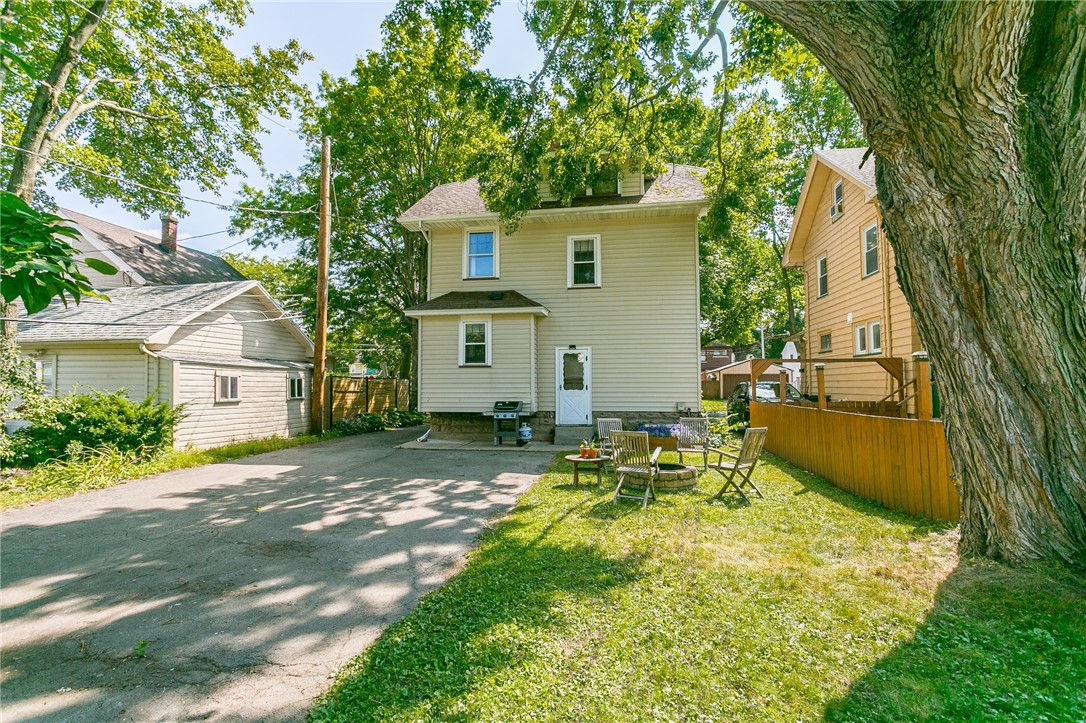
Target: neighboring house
(714,356)
(855,307)
(588,310)
(225,350)
(720,382)
(143,259)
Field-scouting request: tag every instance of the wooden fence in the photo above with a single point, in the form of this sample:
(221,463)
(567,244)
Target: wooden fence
(352,396)
(900,463)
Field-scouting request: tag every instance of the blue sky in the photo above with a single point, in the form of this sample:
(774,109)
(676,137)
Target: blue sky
(335,33)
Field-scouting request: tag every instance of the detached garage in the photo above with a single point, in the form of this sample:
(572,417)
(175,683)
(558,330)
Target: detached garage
(227,351)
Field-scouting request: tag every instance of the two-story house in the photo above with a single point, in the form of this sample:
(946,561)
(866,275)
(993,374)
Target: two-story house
(855,307)
(585,311)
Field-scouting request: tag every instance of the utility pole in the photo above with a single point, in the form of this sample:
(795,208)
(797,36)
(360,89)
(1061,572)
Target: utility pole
(320,342)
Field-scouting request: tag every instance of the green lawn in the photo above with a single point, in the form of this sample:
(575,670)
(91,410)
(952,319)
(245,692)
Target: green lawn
(807,604)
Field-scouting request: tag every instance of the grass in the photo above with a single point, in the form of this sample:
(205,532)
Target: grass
(107,468)
(807,604)
(714,405)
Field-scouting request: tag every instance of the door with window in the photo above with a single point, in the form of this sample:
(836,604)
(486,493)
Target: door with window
(573,373)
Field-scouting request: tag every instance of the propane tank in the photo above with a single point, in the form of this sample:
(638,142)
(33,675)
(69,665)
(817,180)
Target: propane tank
(524,434)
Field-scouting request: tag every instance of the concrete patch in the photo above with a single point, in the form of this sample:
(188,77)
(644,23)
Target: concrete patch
(235,591)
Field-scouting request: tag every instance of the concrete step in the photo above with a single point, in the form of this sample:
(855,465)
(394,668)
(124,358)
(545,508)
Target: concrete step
(571,435)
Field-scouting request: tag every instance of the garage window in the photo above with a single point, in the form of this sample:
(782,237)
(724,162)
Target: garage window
(295,387)
(227,387)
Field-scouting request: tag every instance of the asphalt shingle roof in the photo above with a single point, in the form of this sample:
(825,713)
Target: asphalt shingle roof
(848,160)
(677,184)
(132,313)
(145,254)
(477,301)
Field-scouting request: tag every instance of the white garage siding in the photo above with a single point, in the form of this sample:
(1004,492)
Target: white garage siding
(253,339)
(105,367)
(262,411)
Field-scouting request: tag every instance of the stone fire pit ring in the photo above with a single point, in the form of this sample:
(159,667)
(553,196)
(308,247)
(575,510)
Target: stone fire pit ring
(675,477)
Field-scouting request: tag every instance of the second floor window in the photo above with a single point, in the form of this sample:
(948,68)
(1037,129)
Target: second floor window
(481,255)
(583,261)
(871,249)
(823,276)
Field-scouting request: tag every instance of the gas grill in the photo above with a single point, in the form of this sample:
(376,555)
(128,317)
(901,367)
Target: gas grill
(507,420)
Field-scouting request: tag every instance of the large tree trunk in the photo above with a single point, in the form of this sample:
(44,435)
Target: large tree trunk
(977,116)
(35,141)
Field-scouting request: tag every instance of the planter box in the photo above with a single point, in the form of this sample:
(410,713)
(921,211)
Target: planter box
(668,444)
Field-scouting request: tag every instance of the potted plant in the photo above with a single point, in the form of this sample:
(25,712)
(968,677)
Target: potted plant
(589,450)
(662,436)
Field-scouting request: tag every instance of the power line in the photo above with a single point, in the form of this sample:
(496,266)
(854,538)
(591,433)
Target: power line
(117,179)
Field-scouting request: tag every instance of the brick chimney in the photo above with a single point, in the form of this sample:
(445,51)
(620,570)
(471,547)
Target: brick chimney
(169,233)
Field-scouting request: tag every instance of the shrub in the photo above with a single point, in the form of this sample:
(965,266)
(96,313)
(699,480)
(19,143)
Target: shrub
(359,424)
(660,430)
(404,418)
(89,421)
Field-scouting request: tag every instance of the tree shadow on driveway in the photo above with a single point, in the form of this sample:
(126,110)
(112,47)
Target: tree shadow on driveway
(236,589)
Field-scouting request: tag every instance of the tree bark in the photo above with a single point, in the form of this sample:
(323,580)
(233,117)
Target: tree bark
(977,116)
(26,164)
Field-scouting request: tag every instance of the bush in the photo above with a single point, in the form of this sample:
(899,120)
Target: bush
(404,418)
(660,430)
(358,424)
(59,425)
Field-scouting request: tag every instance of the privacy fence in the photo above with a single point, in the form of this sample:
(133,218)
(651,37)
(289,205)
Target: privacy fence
(900,463)
(352,396)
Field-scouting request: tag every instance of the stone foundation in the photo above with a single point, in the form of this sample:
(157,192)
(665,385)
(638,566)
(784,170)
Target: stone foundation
(475,426)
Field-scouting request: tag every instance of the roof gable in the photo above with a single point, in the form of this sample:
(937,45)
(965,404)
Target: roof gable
(144,255)
(825,166)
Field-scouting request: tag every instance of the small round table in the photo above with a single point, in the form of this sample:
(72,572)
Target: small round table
(596,462)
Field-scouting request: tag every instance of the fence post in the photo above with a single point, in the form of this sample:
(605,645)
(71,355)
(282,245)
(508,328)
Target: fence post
(367,395)
(923,385)
(820,374)
(783,379)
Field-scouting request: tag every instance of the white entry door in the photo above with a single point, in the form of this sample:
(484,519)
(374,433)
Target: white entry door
(573,373)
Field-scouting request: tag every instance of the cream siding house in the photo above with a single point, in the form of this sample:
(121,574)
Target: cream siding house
(225,350)
(855,307)
(586,311)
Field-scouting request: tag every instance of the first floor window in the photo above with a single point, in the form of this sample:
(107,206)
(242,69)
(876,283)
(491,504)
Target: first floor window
(584,261)
(45,371)
(868,338)
(825,342)
(475,342)
(823,276)
(227,387)
(295,388)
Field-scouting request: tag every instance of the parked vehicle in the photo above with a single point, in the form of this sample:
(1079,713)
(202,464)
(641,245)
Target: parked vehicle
(739,401)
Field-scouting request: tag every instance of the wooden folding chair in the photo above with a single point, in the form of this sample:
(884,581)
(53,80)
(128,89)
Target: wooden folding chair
(694,439)
(604,427)
(634,466)
(740,465)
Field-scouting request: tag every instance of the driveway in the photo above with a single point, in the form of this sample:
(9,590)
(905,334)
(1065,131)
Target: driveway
(235,590)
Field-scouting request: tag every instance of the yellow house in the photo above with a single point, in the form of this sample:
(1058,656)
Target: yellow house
(585,311)
(855,307)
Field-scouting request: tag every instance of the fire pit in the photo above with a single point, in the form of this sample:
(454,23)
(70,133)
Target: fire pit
(676,476)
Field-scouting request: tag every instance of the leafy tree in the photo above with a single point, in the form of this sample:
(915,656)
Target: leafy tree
(411,116)
(144,91)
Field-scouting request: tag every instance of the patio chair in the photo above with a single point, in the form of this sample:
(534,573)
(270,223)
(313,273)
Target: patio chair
(604,427)
(694,439)
(740,465)
(634,466)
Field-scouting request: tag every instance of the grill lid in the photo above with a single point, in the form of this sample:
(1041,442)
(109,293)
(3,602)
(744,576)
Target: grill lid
(509,406)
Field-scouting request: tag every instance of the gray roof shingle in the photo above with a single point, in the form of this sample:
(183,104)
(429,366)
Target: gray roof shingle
(478,301)
(848,160)
(132,313)
(677,184)
(145,254)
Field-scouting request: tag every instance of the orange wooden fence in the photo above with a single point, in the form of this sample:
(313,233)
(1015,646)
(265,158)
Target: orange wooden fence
(352,396)
(900,463)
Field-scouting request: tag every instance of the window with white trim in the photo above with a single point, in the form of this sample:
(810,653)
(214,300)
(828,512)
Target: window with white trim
(481,254)
(583,261)
(227,387)
(823,276)
(871,249)
(474,342)
(838,206)
(868,338)
(295,387)
(45,370)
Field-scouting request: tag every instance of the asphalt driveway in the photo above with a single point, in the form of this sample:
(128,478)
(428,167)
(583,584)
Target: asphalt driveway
(234,591)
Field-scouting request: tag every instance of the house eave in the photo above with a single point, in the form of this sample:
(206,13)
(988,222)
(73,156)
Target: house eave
(535,310)
(415,223)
